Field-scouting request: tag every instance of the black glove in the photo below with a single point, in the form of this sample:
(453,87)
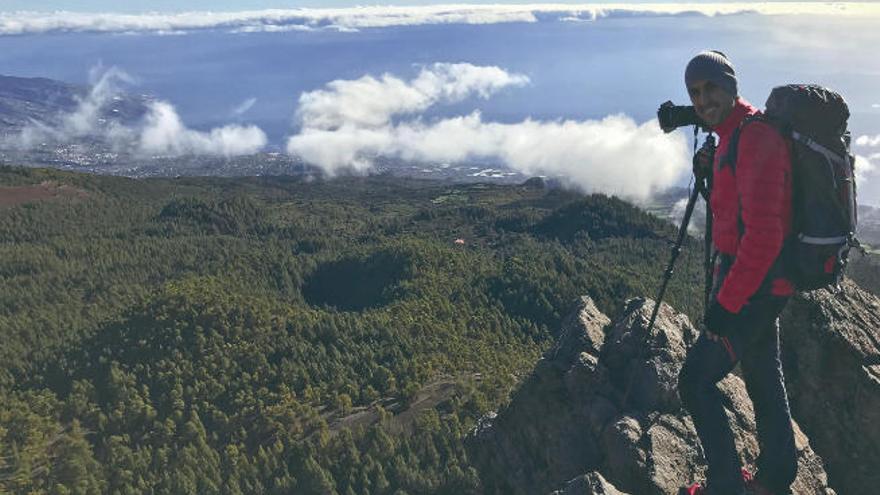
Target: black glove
(719,320)
(703,162)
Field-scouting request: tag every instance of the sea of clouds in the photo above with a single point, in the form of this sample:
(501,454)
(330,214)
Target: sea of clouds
(356,18)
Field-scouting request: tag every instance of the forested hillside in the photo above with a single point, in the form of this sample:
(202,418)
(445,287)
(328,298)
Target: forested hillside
(286,335)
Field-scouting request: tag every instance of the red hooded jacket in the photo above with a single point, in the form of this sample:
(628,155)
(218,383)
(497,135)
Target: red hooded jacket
(757,193)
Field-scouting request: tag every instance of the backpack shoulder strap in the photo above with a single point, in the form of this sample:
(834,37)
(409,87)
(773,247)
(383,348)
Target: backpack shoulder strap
(733,147)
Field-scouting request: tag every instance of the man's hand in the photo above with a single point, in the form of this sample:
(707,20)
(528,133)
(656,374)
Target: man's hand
(703,161)
(719,321)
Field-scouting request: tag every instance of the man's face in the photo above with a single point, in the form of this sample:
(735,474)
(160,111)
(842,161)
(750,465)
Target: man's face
(712,103)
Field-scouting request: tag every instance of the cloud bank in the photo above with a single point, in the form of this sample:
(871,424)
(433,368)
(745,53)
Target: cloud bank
(160,132)
(351,19)
(349,124)
(369,101)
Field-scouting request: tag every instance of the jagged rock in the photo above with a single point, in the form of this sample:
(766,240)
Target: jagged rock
(589,484)
(655,360)
(570,417)
(831,353)
(582,331)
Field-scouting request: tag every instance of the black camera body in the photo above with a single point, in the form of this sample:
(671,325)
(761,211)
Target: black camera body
(672,116)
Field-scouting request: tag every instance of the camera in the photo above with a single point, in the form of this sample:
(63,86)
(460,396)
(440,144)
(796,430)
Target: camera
(672,116)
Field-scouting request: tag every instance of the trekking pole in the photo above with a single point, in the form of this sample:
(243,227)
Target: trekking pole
(670,268)
(708,252)
(708,256)
(676,250)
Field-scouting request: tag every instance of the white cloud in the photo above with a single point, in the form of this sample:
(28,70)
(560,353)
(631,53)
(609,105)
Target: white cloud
(347,19)
(697,222)
(865,167)
(164,134)
(160,132)
(614,155)
(87,117)
(242,108)
(868,179)
(868,141)
(369,101)
(86,120)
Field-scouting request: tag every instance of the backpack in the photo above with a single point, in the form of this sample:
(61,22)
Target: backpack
(824,210)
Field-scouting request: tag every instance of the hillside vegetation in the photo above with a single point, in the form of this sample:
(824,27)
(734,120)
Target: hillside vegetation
(284,335)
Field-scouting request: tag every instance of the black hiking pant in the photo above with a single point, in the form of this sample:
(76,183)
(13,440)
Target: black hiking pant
(755,344)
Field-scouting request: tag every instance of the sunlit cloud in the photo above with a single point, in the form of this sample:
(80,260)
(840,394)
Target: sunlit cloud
(163,133)
(355,18)
(371,101)
(352,126)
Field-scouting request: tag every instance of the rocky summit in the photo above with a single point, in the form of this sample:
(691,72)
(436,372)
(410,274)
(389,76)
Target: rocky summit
(831,358)
(576,425)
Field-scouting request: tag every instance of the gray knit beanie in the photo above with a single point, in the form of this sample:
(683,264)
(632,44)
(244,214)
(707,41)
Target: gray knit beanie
(712,65)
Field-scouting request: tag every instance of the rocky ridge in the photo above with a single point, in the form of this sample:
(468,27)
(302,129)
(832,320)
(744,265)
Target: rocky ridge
(569,429)
(831,358)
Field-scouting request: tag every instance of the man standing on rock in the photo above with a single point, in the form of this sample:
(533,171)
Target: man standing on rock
(751,209)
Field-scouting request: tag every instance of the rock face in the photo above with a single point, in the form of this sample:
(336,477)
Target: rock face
(831,354)
(571,416)
(589,484)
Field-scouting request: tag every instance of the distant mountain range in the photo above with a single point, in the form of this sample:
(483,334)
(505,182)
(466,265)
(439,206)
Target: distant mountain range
(28,100)
(24,100)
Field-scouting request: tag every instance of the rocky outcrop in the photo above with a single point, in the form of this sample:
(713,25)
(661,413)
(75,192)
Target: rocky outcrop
(589,484)
(831,354)
(573,415)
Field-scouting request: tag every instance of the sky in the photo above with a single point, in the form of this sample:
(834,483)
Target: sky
(562,90)
(212,5)
(132,6)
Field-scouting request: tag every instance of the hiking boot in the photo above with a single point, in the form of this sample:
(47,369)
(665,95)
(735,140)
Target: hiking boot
(756,488)
(748,479)
(695,489)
